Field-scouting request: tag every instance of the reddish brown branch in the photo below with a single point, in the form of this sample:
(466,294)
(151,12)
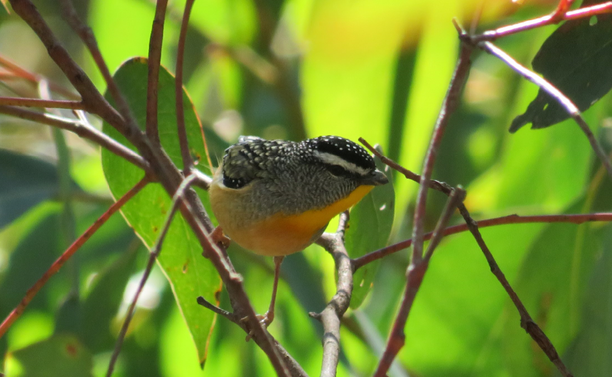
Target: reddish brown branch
(527,322)
(543,21)
(18,72)
(555,93)
(125,122)
(161,166)
(155,50)
(451,101)
(77,77)
(504,220)
(415,275)
(55,267)
(180,111)
(153,254)
(42,103)
(80,129)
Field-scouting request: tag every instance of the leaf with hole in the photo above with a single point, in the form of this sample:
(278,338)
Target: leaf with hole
(61,355)
(189,273)
(369,229)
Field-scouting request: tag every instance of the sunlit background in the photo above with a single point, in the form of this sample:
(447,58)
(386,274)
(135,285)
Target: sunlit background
(375,69)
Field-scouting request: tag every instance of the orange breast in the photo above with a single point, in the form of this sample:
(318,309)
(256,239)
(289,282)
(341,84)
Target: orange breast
(283,235)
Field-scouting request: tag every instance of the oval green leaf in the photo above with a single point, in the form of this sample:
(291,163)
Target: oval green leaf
(369,229)
(189,274)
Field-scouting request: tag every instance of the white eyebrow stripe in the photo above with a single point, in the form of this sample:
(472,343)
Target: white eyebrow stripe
(332,159)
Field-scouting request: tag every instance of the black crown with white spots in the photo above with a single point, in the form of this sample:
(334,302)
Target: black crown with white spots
(343,148)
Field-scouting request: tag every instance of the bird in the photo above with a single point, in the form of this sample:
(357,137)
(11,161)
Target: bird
(276,197)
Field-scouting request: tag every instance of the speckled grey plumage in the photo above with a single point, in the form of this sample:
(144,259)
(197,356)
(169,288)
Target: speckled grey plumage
(288,176)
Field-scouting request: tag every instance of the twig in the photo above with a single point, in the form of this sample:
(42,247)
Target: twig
(162,167)
(42,103)
(504,220)
(451,101)
(154,253)
(555,93)
(222,312)
(55,267)
(415,274)
(19,72)
(492,35)
(80,129)
(455,199)
(127,126)
(180,111)
(77,77)
(332,315)
(155,48)
(527,322)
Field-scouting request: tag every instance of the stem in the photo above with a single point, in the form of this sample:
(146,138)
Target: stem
(55,267)
(42,103)
(563,100)
(154,253)
(155,48)
(180,111)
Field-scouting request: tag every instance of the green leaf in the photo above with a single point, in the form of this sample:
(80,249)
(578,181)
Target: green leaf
(61,355)
(26,181)
(589,354)
(189,274)
(369,229)
(553,294)
(102,303)
(576,59)
(33,256)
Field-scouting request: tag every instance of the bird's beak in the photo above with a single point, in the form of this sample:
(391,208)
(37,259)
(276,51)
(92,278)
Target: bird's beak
(375,178)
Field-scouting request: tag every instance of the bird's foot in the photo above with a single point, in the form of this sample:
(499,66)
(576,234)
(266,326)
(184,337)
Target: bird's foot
(219,238)
(264,319)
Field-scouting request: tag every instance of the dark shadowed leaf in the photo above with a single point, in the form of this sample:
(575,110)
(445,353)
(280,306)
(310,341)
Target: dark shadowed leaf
(102,303)
(369,229)
(190,274)
(576,58)
(32,257)
(59,356)
(589,354)
(24,182)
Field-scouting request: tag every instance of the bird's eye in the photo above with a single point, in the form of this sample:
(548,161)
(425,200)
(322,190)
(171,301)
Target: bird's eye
(336,170)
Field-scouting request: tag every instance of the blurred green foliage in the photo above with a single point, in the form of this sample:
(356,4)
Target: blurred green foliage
(372,69)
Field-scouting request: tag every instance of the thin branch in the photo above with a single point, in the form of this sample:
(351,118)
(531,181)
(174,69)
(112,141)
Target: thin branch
(415,274)
(527,322)
(332,315)
(19,72)
(553,18)
(180,111)
(455,199)
(504,220)
(154,253)
(451,101)
(214,308)
(555,93)
(155,49)
(77,77)
(127,126)
(203,181)
(55,267)
(162,167)
(80,129)
(42,103)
